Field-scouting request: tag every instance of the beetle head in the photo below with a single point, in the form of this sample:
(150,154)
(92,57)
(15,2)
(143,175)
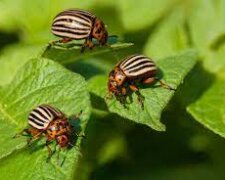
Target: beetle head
(99,32)
(116,81)
(62,140)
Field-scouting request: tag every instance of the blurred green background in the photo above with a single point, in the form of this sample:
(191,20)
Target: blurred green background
(116,148)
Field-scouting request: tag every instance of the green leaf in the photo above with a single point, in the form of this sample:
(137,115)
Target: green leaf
(136,16)
(70,55)
(210,108)
(39,81)
(156,98)
(13,58)
(214,60)
(173,31)
(206,28)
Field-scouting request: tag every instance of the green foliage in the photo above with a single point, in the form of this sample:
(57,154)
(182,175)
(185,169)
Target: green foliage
(11,60)
(156,98)
(174,32)
(207,31)
(211,107)
(146,14)
(118,143)
(39,81)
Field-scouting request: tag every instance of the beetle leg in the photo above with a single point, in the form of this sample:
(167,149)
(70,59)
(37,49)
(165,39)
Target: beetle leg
(49,149)
(33,138)
(140,97)
(33,134)
(84,46)
(88,43)
(133,87)
(148,80)
(64,157)
(29,141)
(109,95)
(24,132)
(121,99)
(63,41)
(166,86)
(123,91)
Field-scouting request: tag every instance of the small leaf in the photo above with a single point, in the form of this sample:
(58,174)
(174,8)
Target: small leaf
(39,81)
(156,98)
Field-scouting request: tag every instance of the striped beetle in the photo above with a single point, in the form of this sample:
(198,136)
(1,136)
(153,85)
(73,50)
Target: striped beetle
(75,24)
(52,123)
(131,72)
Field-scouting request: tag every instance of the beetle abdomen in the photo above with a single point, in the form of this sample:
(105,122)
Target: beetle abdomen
(137,65)
(41,116)
(73,24)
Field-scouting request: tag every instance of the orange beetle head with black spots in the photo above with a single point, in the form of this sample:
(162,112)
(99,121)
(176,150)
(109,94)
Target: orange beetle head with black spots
(63,141)
(116,80)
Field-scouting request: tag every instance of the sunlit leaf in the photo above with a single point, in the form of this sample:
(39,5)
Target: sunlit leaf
(39,81)
(13,58)
(156,98)
(138,15)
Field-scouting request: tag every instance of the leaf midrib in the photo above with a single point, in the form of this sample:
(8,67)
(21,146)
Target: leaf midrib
(7,115)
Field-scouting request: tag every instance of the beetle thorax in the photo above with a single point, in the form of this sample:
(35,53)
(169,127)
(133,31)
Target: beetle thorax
(57,128)
(99,32)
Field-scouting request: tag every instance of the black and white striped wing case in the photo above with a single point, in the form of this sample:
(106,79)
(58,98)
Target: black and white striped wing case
(137,65)
(73,24)
(42,115)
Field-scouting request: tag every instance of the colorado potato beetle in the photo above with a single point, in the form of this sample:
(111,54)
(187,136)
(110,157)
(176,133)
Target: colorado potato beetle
(129,74)
(75,24)
(48,121)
